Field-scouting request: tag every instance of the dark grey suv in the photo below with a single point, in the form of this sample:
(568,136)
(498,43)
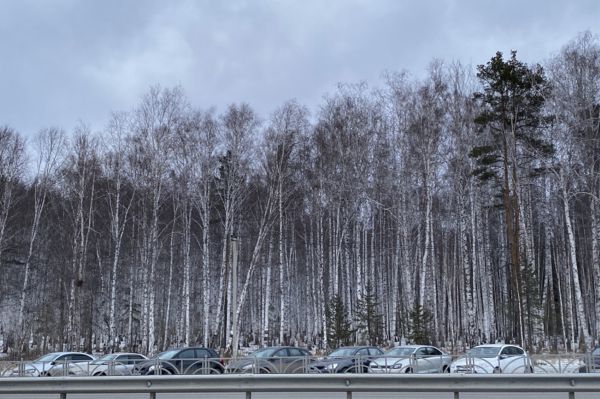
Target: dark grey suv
(182,361)
(349,359)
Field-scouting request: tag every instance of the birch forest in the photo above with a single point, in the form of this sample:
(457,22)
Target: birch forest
(458,207)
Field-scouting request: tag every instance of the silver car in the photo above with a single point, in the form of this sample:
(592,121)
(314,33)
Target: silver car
(494,358)
(412,359)
(52,364)
(109,364)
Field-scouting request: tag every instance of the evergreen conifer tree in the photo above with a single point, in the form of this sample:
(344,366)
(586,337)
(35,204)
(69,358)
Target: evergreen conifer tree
(368,318)
(339,327)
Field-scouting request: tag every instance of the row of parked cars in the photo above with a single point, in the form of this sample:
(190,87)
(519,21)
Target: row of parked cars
(494,358)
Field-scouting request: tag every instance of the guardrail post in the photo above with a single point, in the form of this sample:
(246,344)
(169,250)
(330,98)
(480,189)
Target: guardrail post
(349,395)
(63,395)
(248,395)
(152,395)
(456,395)
(571,395)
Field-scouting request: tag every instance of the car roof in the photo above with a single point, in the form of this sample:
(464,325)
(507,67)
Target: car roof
(357,347)
(280,347)
(123,353)
(496,346)
(188,347)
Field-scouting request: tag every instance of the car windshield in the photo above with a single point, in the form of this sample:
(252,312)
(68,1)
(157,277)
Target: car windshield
(264,352)
(484,351)
(166,355)
(47,358)
(596,352)
(342,352)
(400,352)
(105,358)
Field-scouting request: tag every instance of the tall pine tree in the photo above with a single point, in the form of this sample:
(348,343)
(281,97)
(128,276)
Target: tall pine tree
(511,117)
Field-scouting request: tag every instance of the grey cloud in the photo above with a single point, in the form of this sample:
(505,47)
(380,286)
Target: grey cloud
(68,60)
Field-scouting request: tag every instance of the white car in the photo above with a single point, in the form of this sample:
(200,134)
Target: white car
(51,364)
(109,364)
(493,358)
(412,359)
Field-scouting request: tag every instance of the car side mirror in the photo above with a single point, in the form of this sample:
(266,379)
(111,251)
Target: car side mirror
(502,357)
(52,363)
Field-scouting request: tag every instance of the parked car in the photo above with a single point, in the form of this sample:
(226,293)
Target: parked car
(349,359)
(51,364)
(182,361)
(109,364)
(412,359)
(272,359)
(591,362)
(496,358)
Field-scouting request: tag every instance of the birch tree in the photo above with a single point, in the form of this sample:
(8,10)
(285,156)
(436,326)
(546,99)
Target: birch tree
(119,202)
(80,176)
(239,126)
(49,147)
(156,119)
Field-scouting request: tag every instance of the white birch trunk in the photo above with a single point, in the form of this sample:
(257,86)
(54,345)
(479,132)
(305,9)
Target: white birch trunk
(583,325)
(187,244)
(223,271)
(321,269)
(424,259)
(40,200)
(471,274)
(262,233)
(395,284)
(169,282)
(267,297)
(282,277)
(205,215)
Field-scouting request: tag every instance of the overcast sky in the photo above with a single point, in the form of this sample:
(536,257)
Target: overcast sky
(64,61)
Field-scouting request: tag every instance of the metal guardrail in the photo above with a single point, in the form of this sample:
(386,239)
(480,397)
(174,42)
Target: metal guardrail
(281,383)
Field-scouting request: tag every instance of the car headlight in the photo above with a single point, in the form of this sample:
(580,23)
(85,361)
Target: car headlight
(397,366)
(247,366)
(151,368)
(332,366)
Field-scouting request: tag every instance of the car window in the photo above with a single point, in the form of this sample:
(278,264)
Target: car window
(62,358)
(363,352)
(134,359)
(80,357)
(187,354)
(375,351)
(281,353)
(295,352)
(506,351)
(202,353)
(212,353)
(518,351)
(421,352)
(433,351)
